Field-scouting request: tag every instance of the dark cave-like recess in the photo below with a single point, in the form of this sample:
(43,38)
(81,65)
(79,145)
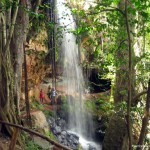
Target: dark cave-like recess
(97,83)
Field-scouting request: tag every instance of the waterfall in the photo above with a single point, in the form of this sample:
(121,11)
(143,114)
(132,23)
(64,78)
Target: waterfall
(80,120)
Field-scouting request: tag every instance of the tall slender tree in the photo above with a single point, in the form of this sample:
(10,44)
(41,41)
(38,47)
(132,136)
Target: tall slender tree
(124,84)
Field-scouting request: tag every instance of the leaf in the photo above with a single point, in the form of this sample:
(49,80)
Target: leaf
(137,3)
(144,14)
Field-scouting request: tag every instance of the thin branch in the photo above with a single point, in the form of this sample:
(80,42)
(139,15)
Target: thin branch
(118,9)
(12,27)
(26,90)
(3,29)
(121,44)
(129,78)
(136,97)
(36,133)
(114,8)
(111,8)
(36,9)
(38,2)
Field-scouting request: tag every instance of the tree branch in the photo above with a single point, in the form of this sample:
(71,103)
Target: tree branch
(26,89)
(121,44)
(129,128)
(135,98)
(111,8)
(12,27)
(38,2)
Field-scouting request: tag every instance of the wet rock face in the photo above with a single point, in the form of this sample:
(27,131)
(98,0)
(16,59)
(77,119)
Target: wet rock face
(58,127)
(100,130)
(42,143)
(91,147)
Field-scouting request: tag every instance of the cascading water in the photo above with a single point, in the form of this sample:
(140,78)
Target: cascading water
(80,120)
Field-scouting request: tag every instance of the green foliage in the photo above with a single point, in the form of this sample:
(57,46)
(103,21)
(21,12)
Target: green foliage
(143,66)
(121,107)
(64,106)
(38,20)
(6,4)
(100,106)
(103,20)
(35,104)
(29,144)
(51,136)
(40,55)
(104,107)
(80,147)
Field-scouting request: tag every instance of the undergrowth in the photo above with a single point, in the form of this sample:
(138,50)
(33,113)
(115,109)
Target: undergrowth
(29,143)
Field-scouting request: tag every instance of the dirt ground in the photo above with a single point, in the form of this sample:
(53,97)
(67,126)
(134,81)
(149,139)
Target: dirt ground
(5,142)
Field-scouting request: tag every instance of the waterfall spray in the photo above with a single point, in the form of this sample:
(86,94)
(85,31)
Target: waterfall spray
(80,120)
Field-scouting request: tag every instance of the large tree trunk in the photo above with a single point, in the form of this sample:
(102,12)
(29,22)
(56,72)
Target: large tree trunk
(14,24)
(18,40)
(7,107)
(116,134)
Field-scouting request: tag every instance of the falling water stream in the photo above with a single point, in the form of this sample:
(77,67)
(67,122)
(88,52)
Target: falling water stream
(80,121)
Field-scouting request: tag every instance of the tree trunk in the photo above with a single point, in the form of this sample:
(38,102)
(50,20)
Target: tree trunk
(14,34)
(116,137)
(116,134)
(7,107)
(19,39)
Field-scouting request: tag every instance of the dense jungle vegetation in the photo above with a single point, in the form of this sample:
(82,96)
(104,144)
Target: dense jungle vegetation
(113,37)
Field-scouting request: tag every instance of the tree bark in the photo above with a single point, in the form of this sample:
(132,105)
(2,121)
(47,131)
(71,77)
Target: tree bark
(29,122)
(14,139)
(129,127)
(7,107)
(11,61)
(11,31)
(19,38)
(14,23)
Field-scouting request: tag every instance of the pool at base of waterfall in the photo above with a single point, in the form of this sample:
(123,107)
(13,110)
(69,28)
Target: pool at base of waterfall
(89,145)
(86,144)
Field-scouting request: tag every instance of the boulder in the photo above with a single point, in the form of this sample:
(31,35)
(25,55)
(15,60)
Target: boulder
(43,143)
(39,122)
